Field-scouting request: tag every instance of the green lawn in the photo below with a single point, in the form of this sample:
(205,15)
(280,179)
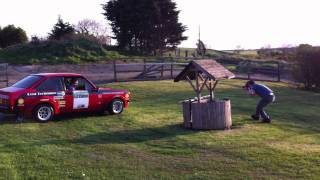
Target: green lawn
(148,142)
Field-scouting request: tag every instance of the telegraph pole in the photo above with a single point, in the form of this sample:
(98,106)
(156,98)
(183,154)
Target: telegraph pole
(199,33)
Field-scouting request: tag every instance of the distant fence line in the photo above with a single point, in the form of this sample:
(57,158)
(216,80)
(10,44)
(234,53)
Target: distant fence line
(143,70)
(148,70)
(4,73)
(255,70)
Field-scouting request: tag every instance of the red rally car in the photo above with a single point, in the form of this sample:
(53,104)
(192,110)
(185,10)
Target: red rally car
(43,96)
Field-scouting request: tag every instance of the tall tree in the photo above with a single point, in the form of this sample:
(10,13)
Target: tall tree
(145,25)
(61,30)
(11,35)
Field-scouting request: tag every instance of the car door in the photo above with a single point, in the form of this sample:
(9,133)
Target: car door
(81,97)
(52,88)
(94,98)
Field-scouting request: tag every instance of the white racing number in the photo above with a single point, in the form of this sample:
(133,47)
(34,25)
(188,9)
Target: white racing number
(80,99)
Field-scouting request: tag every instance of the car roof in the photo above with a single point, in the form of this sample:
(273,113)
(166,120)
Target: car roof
(58,74)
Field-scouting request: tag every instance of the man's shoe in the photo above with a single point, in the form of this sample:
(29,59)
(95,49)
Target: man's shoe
(266,121)
(255,117)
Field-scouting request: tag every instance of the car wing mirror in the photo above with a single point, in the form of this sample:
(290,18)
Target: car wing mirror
(96,89)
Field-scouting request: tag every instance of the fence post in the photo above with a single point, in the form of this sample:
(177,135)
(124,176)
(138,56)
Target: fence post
(7,78)
(279,73)
(171,72)
(115,70)
(249,70)
(144,68)
(162,69)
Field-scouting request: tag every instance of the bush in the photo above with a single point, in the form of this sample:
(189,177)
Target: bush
(11,35)
(308,65)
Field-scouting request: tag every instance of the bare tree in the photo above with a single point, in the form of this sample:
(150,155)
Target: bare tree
(89,27)
(238,49)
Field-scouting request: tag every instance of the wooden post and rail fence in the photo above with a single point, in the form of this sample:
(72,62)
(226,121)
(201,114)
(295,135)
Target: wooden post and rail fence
(4,74)
(159,69)
(147,70)
(151,70)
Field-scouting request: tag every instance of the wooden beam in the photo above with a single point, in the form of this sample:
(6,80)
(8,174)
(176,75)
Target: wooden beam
(190,82)
(204,84)
(198,87)
(210,90)
(215,85)
(201,77)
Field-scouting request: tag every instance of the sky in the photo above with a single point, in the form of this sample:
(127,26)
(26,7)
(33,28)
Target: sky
(224,24)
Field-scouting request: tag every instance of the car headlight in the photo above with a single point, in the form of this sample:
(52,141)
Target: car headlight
(127,95)
(20,101)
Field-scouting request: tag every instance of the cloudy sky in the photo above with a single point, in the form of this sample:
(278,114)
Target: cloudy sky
(225,24)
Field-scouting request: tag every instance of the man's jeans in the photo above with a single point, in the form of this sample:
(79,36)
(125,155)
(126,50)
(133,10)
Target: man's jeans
(262,104)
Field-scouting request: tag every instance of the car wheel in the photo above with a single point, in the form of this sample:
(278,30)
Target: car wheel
(116,106)
(43,113)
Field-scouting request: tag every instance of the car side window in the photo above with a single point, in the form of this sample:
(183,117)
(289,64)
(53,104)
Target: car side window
(51,84)
(77,83)
(85,85)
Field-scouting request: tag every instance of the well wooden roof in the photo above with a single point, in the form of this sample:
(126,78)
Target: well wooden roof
(207,67)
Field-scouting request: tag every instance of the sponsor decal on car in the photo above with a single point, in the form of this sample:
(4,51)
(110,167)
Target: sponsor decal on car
(80,99)
(58,94)
(62,103)
(58,97)
(111,92)
(2,96)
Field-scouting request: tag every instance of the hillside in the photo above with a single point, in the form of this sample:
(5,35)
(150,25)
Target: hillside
(56,52)
(85,51)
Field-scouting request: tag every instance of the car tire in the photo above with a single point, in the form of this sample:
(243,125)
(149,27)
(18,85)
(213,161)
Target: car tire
(43,113)
(116,106)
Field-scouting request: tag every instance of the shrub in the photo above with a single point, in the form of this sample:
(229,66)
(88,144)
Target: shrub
(11,35)
(307,66)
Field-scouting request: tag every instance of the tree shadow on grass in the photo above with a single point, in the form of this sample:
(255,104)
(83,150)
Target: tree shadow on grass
(12,119)
(135,136)
(116,137)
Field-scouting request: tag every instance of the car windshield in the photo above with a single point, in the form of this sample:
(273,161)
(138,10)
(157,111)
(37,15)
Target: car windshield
(26,82)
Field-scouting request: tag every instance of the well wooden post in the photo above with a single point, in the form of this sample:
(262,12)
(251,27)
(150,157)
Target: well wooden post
(198,87)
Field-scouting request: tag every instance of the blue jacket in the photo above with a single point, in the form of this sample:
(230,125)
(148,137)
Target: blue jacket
(262,90)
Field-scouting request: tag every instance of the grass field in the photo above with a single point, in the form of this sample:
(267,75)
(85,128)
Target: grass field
(148,142)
